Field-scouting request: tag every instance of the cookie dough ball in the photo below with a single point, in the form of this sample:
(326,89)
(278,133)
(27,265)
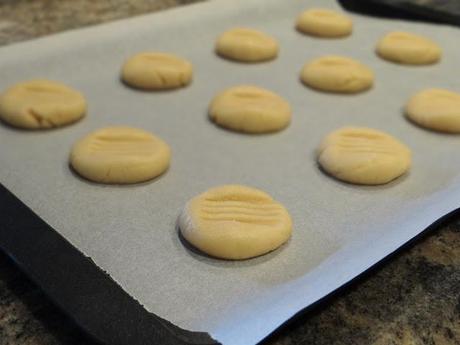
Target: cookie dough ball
(235,222)
(410,49)
(436,109)
(362,155)
(120,155)
(40,104)
(337,74)
(246,45)
(250,109)
(324,23)
(156,71)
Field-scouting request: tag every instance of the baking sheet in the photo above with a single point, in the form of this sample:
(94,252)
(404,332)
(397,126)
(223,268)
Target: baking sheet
(340,230)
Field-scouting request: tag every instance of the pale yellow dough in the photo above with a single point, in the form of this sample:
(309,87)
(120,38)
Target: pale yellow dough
(436,109)
(246,45)
(337,74)
(362,155)
(235,222)
(324,23)
(407,48)
(41,104)
(250,109)
(156,71)
(120,155)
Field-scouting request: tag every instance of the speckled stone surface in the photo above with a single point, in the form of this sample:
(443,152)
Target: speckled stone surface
(26,19)
(412,299)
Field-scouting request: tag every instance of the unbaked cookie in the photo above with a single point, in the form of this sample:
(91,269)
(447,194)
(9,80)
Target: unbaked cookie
(407,48)
(362,155)
(337,74)
(250,109)
(246,45)
(324,23)
(38,104)
(235,222)
(120,155)
(436,109)
(156,71)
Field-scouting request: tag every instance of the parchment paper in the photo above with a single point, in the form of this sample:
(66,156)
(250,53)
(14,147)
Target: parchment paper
(339,230)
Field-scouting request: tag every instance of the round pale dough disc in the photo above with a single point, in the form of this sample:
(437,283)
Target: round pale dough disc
(246,45)
(120,155)
(235,222)
(337,74)
(39,104)
(156,71)
(324,23)
(436,109)
(362,155)
(407,48)
(250,109)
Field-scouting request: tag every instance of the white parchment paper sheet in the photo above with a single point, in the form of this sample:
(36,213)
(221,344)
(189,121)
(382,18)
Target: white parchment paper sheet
(339,230)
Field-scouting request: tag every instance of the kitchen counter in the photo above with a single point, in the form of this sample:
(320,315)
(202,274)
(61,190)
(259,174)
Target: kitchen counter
(411,299)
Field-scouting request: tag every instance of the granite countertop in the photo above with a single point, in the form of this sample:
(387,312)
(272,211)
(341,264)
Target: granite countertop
(412,299)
